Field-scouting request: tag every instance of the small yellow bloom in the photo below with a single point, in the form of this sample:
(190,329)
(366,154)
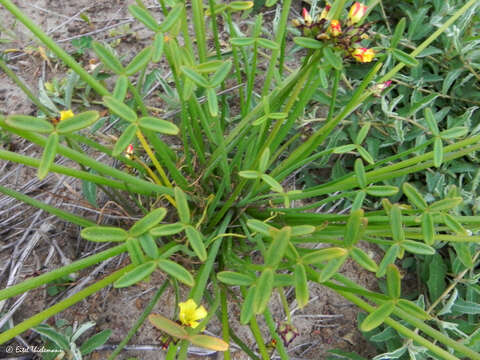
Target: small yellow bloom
(66,114)
(325,11)
(363,55)
(190,313)
(357,12)
(335,28)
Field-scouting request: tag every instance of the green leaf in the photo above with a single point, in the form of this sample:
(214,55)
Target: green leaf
(428,228)
(195,77)
(249,174)
(332,58)
(239,5)
(48,155)
(259,227)
(144,17)
(121,87)
(282,280)
(104,234)
(77,122)
(158,43)
(301,285)
(168,326)
(464,254)
(377,317)
(125,139)
(267,44)
(308,43)
(263,163)
(172,18)
(212,102)
(274,185)
(322,255)
(147,222)
(381,190)
(196,242)
(362,134)
(416,247)
(158,125)
(119,108)
(397,34)
(220,74)
(344,149)
(446,204)
(363,259)
(208,342)
(359,199)
(405,58)
(437,274)
(365,155)
(453,224)
(235,278)
(414,196)
(454,133)
(413,309)
(182,205)
(394,282)
(140,61)
(360,173)
(242,41)
(29,123)
(437,152)
(331,268)
(431,122)
(353,230)
(301,230)
(247,306)
(388,259)
(95,342)
(209,66)
(107,58)
(59,339)
(177,271)
(149,245)
(167,229)
(263,291)
(135,251)
(396,223)
(136,275)
(277,248)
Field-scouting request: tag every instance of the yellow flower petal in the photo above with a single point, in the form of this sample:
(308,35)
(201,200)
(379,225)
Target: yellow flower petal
(66,114)
(190,313)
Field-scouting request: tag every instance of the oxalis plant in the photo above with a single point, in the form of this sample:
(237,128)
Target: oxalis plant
(220,203)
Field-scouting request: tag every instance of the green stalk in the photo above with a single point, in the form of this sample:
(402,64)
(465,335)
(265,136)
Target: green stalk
(282,352)
(24,88)
(258,338)
(57,50)
(281,30)
(225,323)
(55,309)
(40,280)
(75,219)
(79,174)
(139,321)
(199,25)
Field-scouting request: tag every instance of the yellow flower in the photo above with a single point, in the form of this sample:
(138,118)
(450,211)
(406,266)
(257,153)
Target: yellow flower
(357,12)
(190,313)
(335,28)
(325,11)
(66,114)
(363,55)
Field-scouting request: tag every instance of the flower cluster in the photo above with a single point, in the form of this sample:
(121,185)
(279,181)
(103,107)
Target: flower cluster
(346,36)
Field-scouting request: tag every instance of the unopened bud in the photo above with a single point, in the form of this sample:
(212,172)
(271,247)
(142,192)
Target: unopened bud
(357,12)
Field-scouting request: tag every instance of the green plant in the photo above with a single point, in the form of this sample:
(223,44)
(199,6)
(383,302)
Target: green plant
(222,196)
(61,340)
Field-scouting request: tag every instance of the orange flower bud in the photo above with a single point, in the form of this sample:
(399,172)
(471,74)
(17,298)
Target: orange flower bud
(335,28)
(357,12)
(129,151)
(363,55)
(325,11)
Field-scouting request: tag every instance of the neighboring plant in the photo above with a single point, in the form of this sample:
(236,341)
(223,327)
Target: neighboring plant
(217,210)
(61,341)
